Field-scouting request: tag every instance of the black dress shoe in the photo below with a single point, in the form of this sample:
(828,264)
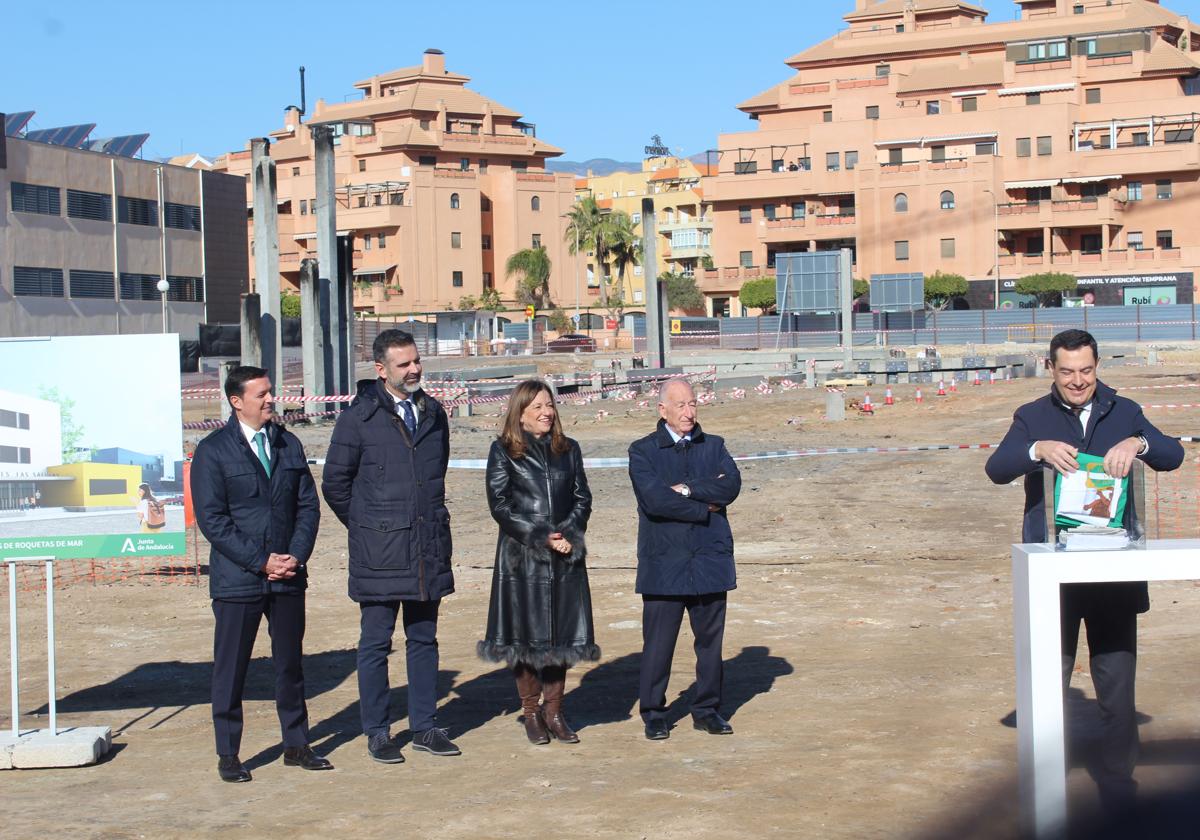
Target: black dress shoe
(657,729)
(305,758)
(230,769)
(384,750)
(435,741)
(713,724)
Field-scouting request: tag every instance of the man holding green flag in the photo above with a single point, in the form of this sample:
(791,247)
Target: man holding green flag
(1080,417)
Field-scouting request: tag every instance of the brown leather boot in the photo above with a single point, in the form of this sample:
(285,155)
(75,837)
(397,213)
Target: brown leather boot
(529,687)
(554,682)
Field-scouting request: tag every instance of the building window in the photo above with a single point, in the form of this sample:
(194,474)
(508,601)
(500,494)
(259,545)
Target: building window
(746,259)
(744,214)
(536,239)
(872,112)
(804,164)
(851,160)
(454,204)
(777,165)
(1133,191)
(37,282)
(798,208)
(295,171)
(487,279)
(985,149)
(1087,46)
(1044,146)
(427,160)
(946,201)
(970,103)
(899,27)
(827,116)
(535,203)
(456,279)
(1091,96)
(186,289)
(464,164)
(1024,149)
(1134,240)
(181,216)
(483,164)
(1089,243)
(139,286)
(89,205)
(882,71)
(1179,135)
(833,161)
(304,207)
(137,211)
(362,165)
(1035,245)
(1078,8)
(1046,50)
(1141,138)
(1033,99)
(485,204)
(900,203)
(902,249)
(93,284)
(895,157)
(424,123)
(937,154)
(947,248)
(13,420)
(366,242)
(1163,190)
(455,239)
(519,165)
(31,198)
(636,218)
(745,167)
(769,212)
(362,201)
(933,106)
(485,242)
(16,455)
(382,239)
(1165,239)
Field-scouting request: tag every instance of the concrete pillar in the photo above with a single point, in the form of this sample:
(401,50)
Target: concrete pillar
(266,258)
(313,351)
(655,342)
(223,374)
(328,267)
(846,294)
(252,331)
(835,406)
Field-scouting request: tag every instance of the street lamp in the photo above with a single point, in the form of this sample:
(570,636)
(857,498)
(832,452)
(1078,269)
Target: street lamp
(163,287)
(995,249)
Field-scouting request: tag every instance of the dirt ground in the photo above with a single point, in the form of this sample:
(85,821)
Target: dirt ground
(869,671)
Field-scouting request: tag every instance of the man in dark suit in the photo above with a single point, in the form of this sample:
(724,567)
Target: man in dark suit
(385,479)
(683,480)
(257,506)
(1082,414)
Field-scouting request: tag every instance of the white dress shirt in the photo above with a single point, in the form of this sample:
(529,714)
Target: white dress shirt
(250,433)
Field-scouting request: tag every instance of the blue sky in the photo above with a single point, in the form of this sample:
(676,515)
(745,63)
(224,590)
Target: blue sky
(597,79)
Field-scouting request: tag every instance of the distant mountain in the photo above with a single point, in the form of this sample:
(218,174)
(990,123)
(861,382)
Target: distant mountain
(604,166)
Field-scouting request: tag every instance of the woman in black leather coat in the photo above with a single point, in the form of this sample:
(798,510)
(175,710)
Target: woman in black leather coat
(540,612)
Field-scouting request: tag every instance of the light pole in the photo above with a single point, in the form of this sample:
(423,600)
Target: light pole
(995,249)
(163,287)
(578,244)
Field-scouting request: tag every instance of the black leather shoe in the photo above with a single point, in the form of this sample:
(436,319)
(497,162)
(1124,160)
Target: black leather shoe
(657,729)
(384,750)
(305,758)
(230,769)
(435,742)
(713,724)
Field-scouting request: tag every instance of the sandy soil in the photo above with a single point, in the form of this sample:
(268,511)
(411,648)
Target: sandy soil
(869,662)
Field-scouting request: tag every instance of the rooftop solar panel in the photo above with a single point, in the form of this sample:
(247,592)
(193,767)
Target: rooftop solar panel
(126,145)
(67,135)
(14,123)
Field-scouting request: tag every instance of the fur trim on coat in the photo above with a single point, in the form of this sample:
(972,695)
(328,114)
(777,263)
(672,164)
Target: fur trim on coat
(513,655)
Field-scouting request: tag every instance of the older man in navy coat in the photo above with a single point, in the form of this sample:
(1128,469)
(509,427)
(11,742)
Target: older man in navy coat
(257,505)
(683,480)
(1082,414)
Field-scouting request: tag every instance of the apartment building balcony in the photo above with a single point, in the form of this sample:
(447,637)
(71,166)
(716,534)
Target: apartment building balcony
(728,186)
(698,223)
(839,219)
(1067,212)
(688,252)
(469,140)
(716,280)
(1111,259)
(784,230)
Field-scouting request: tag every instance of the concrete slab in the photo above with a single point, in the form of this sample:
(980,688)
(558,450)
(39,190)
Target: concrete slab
(72,747)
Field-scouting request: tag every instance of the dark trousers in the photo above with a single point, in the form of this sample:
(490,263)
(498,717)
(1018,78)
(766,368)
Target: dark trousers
(661,617)
(1112,645)
(236,628)
(378,622)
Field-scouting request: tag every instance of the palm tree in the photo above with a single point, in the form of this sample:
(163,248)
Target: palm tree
(533,264)
(625,248)
(588,225)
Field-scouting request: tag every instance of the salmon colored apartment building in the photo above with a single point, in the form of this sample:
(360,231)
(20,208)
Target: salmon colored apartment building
(437,186)
(924,138)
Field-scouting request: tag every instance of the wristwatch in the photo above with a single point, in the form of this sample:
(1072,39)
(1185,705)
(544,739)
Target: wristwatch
(1145,445)
(685,491)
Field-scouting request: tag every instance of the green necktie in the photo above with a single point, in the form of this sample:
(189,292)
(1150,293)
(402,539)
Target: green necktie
(260,438)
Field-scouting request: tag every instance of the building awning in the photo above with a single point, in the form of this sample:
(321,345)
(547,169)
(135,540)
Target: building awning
(943,138)
(1092,179)
(301,236)
(1017,91)
(377,269)
(832,194)
(911,141)
(1023,185)
(979,92)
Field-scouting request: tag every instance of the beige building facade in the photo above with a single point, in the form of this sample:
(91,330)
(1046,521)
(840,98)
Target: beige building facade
(85,238)
(925,139)
(436,186)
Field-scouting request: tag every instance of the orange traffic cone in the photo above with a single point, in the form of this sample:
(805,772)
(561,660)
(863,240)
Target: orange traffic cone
(941,388)
(887,397)
(992,378)
(867,408)
(975,380)
(919,398)
(953,385)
